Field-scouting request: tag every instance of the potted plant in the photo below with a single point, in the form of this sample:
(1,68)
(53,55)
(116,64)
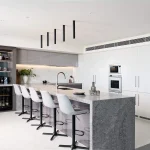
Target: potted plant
(26,73)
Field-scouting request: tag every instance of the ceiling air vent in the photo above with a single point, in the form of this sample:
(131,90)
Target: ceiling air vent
(109,45)
(135,41)
(99,47)
(147,39)
(121,43)
(90,49)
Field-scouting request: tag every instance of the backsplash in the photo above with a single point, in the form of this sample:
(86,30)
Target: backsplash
(48,73)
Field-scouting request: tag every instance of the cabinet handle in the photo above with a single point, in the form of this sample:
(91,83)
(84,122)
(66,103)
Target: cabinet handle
(138,81)
(135,81)
(138,100)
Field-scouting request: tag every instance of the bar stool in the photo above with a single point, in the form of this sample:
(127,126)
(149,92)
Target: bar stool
(36,99)
(18,93)
(66,107)
(26,95)
(48,102)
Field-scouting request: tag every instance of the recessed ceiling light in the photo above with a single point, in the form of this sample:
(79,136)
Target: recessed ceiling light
(27,17)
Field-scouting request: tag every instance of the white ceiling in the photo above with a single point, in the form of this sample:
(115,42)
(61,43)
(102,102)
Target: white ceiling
(97,21)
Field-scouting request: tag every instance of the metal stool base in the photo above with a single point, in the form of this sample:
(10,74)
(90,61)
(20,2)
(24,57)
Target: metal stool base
(40,125)
(54,134)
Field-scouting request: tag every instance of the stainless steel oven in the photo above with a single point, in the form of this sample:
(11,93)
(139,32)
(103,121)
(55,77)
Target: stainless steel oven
(115,83)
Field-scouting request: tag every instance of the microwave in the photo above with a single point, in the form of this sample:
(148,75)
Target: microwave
(115,69)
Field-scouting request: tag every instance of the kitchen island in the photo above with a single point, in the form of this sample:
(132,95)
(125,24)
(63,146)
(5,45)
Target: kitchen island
(111,119)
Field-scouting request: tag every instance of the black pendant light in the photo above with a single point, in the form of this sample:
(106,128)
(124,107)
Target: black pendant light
(63,33)
(47,38)
(74,30)
(54,36)
(41,38)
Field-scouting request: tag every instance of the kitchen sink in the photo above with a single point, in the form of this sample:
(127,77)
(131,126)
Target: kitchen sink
(64,88)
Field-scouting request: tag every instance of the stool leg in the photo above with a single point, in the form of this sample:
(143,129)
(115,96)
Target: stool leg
(41,118)
(73,131)
(22,112)
(73,146)
(55,132)
(31,118)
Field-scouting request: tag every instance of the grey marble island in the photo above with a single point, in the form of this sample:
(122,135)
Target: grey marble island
(111,121)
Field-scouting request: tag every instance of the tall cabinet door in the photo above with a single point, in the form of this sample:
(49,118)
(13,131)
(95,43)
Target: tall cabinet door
(127,58)
(133,94)
(143,102)
(144,69)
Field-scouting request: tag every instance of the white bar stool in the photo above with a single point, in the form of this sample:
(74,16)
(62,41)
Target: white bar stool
(48,102)
(18,93)
(36,99)
(26,95)
(66,107)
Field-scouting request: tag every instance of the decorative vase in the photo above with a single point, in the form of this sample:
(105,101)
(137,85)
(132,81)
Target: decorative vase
(25,79)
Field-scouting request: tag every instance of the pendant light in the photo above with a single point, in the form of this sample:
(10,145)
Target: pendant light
(54,36)
(47,38)
(63,33)
(41,38)
(74,30)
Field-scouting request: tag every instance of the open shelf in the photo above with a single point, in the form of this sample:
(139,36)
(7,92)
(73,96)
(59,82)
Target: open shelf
(5,71)
(5,60)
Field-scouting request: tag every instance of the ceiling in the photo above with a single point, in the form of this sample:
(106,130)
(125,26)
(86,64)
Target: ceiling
(97,21)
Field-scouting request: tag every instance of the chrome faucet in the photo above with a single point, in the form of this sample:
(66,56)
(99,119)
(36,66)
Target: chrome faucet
(57,77)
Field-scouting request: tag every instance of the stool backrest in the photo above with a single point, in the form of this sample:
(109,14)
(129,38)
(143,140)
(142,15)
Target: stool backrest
(34,95)
(25,92)
(17,90)
(47,100)
(65,104)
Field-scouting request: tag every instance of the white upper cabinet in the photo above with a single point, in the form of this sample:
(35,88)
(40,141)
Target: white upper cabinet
(129,69)
(143,67)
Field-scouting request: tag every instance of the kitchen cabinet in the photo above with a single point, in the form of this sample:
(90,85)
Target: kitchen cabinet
(143,66)
(133,94)
(129,69)
(143,104)
(22,57)
(38,58)
(46,58)
(64,60)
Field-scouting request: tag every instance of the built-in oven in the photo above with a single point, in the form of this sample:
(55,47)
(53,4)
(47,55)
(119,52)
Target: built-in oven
(115,83)
(115,69)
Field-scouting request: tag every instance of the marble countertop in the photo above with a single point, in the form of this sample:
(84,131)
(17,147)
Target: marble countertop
(87,98)
(2,85)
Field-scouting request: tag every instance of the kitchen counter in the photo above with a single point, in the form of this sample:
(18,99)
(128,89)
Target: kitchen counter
(85,99)
(2,85)
(111,118)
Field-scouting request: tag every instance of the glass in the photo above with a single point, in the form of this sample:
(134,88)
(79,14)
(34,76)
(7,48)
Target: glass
(115,84)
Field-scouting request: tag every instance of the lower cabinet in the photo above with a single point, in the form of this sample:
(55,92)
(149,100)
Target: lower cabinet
(142,103)
(133,94)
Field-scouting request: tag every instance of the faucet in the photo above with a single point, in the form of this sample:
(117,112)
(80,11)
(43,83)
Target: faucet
(57,77)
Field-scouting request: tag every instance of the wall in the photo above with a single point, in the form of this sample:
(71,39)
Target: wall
(97,63)
(48,73)
(34,43)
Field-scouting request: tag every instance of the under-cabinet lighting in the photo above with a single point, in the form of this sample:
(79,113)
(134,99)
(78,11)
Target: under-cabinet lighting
(42,66)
